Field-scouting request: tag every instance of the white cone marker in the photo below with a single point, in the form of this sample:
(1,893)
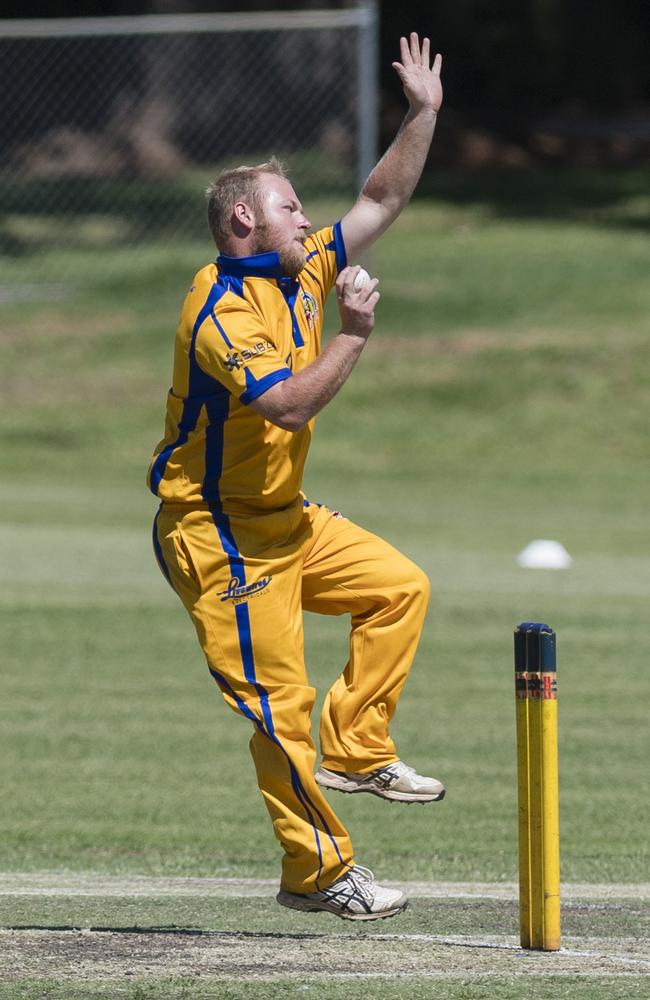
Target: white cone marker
(544,553)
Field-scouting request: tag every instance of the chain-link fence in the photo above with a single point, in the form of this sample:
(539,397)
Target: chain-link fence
(112,127)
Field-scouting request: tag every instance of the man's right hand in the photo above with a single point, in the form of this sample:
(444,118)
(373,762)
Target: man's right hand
(292,403)
(356,308)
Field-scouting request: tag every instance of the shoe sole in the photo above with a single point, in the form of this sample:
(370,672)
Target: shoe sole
(285,898)
(408,798)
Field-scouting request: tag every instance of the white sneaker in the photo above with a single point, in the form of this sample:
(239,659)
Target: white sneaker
(397,782)
(354,896)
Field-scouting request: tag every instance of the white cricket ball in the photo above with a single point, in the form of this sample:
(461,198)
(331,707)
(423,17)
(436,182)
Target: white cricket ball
(361,279)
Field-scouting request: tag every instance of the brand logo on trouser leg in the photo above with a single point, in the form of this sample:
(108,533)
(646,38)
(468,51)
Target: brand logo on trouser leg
(238,592)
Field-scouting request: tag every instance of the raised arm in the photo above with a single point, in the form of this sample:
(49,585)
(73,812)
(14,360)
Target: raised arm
(392,182)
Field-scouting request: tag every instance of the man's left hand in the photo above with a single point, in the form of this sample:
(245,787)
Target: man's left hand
(421,82)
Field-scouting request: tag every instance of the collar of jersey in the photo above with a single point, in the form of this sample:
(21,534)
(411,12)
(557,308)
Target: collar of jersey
(260,265)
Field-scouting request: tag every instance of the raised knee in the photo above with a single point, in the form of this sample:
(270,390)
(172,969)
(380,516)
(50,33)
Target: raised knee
(420,584)
(414,584)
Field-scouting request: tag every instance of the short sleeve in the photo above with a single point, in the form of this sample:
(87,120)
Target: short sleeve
(326,257)
(233,346)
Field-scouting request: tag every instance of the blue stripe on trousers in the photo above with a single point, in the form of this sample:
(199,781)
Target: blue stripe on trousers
(295,781)
(237,569)
(158,550)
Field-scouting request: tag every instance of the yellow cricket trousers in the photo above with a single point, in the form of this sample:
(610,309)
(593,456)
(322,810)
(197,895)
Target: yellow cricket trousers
(245,582)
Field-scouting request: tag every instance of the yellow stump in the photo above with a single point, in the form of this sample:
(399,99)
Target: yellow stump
(537,787)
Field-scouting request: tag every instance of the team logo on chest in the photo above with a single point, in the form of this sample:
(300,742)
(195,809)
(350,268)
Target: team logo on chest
(310,305)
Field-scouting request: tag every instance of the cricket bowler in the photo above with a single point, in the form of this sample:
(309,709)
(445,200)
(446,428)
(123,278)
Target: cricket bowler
(245,550)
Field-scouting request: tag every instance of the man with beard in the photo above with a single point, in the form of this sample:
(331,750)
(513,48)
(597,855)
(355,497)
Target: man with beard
(243,547)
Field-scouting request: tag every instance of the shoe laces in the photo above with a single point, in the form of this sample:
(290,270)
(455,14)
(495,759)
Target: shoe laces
(357,882)
(358,871)
(398,768)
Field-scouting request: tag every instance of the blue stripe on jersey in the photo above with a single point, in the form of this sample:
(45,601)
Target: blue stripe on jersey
(216,399)
(198,389)
(310,255)
(187,423)
(338,246)
(256,386)
(341,253)
(220,329)
(217,291)
(290,288)
(217,406)
(242,617)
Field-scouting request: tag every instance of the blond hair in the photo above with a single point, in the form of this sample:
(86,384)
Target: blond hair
(231,186)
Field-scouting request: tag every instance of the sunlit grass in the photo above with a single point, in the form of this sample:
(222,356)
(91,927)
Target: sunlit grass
(503,397)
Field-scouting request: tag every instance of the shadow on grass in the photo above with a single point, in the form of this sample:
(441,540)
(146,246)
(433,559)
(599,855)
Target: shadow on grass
(464,943)
(611,198)
(175,931)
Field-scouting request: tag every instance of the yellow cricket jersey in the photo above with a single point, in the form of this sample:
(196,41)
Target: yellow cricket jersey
(243,328)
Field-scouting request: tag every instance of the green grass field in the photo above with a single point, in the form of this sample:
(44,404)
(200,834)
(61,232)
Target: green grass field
(502,398)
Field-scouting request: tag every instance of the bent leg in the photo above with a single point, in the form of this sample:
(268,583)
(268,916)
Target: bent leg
(350,570)
(249,622)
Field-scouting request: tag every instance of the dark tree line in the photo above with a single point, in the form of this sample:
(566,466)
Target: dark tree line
(527,82)
(517,56)
(536,55)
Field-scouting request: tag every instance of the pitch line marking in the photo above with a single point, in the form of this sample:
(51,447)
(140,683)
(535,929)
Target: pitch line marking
(85,884)
(465,941)
(464,974)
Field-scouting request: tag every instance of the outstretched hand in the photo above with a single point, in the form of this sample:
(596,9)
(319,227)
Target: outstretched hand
(421,82)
